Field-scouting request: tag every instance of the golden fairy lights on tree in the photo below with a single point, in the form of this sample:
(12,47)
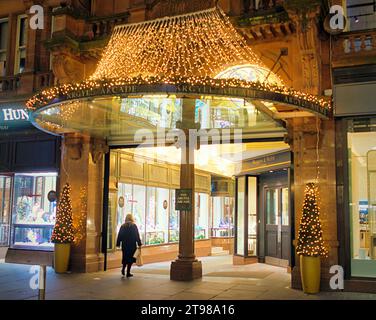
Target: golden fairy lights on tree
(310,240)
(63,230)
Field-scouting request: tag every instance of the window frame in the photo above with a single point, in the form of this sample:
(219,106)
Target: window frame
(18,48)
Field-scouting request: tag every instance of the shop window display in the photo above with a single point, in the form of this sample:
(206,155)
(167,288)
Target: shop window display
(132,199)
(362,197)
(222,215)
(33,213)
(174,220)
(202,216)
(157,216)
(5,191)
(252,216)
(240,216)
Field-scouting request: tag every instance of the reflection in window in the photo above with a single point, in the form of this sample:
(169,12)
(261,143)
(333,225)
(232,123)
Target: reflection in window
(272,202)
(3,46)
(132,200)
(202,216)
(20,61)
(159,111)
(285,206)
(157,216)
(222,215)
(362,197)
(33,214)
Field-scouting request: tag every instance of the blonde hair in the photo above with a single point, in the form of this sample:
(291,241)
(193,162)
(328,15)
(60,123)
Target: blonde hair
(129,218)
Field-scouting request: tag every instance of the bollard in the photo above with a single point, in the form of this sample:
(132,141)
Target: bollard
(42,283)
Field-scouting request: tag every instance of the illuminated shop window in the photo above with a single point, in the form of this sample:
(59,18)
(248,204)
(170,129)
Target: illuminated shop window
(157,216)
(174,220)
(202,216)
(132,200)
(34,213)
(222,215)
(5,194)
(362,197)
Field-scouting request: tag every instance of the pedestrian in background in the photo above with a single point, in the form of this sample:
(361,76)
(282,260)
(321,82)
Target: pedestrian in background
(129,238)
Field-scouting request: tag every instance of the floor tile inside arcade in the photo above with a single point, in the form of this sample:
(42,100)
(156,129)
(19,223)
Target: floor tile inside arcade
(221,281)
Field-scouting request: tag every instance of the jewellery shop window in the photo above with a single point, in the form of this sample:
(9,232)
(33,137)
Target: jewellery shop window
(173,230)
(222,214)
(202,216)
(361,138)
(34,210)
(132,199)
(157,216)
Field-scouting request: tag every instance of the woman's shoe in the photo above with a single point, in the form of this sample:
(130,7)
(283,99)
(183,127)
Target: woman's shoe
(123,272)
(129,275)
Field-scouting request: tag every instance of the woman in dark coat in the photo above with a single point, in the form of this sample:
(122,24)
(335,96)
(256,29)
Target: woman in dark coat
(129,237)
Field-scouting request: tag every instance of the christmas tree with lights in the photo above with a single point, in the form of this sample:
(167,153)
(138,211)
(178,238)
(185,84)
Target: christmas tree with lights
(310,240)
(63,231)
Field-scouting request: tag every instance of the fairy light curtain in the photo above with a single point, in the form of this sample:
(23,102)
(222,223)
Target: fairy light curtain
(201,44)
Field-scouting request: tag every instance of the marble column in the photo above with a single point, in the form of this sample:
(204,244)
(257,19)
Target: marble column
(82,168)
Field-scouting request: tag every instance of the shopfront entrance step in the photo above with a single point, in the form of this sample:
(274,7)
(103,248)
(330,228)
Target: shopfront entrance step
(218,251)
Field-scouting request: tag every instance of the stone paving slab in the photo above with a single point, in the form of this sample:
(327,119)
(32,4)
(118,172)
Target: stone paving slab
(147,284)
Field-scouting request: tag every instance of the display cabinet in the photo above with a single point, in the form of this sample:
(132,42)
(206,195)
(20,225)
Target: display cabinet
(222,217)
(246,217)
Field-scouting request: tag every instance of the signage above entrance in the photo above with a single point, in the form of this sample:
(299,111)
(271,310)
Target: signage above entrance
(14,116)
(183,201)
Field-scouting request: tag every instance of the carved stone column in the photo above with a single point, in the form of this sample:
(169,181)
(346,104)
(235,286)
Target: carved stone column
(302,138)
(82,166)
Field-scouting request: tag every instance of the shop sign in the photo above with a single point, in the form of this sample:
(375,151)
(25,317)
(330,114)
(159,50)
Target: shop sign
(13,116)
(183,201)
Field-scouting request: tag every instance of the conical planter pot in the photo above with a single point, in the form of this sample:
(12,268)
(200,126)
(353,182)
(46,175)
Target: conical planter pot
(61,257)
(310,273)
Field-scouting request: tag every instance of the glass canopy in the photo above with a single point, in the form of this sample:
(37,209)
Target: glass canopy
(119,119)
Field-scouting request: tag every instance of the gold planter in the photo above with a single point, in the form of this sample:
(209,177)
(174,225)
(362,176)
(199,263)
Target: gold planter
(61,257)
(310,273)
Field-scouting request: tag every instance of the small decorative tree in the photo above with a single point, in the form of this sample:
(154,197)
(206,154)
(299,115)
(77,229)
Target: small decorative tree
(310,241)
(310,244)
(63,231)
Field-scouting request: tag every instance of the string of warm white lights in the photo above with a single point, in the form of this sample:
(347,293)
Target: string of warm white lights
(62,92)
(191,49)
(197,44)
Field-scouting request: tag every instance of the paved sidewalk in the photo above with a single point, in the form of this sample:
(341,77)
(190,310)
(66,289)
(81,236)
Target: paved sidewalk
(221,281)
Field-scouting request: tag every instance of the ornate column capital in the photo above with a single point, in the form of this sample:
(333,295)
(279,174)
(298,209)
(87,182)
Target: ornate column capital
(98,148)
(74,144)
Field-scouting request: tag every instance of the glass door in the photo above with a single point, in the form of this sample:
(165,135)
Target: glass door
(277,222)
(5,205)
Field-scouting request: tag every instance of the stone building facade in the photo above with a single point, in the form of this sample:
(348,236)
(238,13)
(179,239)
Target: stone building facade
(288,36)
